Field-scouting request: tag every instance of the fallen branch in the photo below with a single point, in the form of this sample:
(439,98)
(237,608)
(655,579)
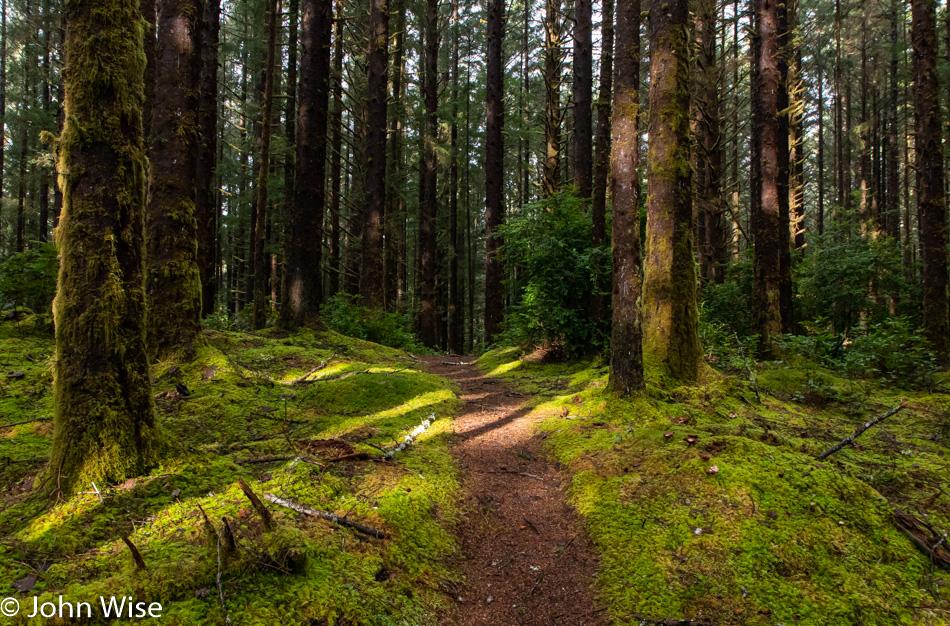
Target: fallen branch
(336,519)
(411,437)
(227,617)
(35,419)
(303,379)
(670,621)
(850,438)
(136,555)
(525,474)
(925,537)
(276,459)
(256,502)
(456,363)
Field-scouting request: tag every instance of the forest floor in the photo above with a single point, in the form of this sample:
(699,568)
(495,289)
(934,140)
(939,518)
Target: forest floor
(527,558)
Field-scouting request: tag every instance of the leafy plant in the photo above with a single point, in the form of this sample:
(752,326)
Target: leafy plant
(344,314)
(28,279)
(549,245)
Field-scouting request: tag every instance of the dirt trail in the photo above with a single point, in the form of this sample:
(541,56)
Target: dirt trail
(528,560)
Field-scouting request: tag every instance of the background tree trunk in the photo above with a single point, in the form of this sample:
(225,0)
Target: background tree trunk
(206,199)
(494,171)
(428,262)
(583,81)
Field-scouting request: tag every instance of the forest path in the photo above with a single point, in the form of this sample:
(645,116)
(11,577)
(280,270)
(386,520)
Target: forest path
(528,560)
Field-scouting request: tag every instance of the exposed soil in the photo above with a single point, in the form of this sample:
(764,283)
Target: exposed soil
(528,560)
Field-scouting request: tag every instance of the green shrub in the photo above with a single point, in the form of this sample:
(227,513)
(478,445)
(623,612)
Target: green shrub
(729,304)
(28,279)
(550,247)
(345,315)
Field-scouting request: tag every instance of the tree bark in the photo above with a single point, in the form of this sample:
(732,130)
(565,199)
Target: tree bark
(395,200)
(3,106)
(456,323)
(173,282)
(104,422)
(303,290)
(551,76)
(374,158)
(261,270)
(428,263)
(206,198)
(602,149)
(670,317)
(928,160)
(626,353)
(336,149)
(583,87)
(494,170)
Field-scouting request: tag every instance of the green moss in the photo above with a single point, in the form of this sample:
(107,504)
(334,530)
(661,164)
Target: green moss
(773,536)
(302,570)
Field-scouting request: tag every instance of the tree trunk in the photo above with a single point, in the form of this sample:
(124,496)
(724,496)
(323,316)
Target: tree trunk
(626,353)
(261,270)
(494,170)
(374,158)
(395,199)
(670,318)
(583,81)
(456,323)
(173,283)
(104,421)
(928,160)
(336,148)
(206,200)
(767,224)
(47,104)
(303,289)
(602,148)
(820,217)
(551,76)
(3,106)
(428,263)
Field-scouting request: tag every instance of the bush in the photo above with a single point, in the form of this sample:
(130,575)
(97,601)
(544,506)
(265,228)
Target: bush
(28,279)
(550,247)
(345,315)
(891,350)
(729,304)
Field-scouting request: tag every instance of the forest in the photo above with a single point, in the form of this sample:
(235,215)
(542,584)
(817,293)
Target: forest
(417,312)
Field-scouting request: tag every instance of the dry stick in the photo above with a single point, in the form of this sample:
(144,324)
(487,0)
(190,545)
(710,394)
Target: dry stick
(850,438)
(336,519)
(276,459)
(669,621)
(35,419)
(136,555)
(319,367)
(227,616)
(256,502)
(229,543)
(456,363)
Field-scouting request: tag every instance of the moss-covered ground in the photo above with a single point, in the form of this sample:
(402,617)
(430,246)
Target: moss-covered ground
(238,401)
(773,536)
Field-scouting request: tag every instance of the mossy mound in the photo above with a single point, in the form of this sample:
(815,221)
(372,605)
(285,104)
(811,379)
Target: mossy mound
(742,525)
(241,400)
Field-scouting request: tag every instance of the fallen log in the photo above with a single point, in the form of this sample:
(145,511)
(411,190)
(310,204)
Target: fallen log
(411,437)
(850,438)
(332,517)
(925,537)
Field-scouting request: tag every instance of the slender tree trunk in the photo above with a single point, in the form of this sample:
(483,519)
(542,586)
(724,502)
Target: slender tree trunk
(786,296)
(820,217)
(626,353)
(841,190)
(3,107)
(374,157)
(303,290)
(583,87)
(670,318)
(928,160)
(206,201)
(428,263)
(261,270)
(602,150)
(552,97)
(767,224)
(891,221)
(336,148)
(104,421)
(456,323)
(395,199)
(494,170)
(173,282)
(47,104)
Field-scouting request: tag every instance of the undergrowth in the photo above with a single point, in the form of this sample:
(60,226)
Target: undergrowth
(744,526)
(241,400)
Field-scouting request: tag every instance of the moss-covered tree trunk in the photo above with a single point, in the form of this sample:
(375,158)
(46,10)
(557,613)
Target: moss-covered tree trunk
(206,198)
(626,353)
(173,283)
(104,424)
(931,201)
(303,281)
(670,319)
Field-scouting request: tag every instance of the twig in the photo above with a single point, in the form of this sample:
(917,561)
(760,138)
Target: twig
(670,621)
(456,363)
(336,519)
(303,379)
(256,502)
(136,555)
(276,459)
(850,438)
(97,493)
(35,419)
(227,617)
